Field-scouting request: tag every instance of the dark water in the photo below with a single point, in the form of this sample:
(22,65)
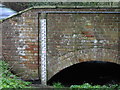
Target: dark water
(95,73)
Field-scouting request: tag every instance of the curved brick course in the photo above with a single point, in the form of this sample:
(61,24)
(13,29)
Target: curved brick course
(72,58)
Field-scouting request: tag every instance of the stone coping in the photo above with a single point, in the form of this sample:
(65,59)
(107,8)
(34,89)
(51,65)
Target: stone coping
(61,7)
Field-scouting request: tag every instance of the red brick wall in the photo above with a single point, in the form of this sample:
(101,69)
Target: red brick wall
(20,44)
(71,39)
(20,40)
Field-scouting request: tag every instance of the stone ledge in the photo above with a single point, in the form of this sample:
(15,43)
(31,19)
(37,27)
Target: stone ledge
(60,7)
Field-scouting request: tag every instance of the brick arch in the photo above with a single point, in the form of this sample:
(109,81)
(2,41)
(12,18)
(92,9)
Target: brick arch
(71,58)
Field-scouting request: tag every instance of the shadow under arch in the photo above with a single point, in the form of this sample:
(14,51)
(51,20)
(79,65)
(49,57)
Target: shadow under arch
(93,72)
(55,65)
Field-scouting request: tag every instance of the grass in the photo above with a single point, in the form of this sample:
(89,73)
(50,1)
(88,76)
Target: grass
(58,85)
(89,86)
(8,80)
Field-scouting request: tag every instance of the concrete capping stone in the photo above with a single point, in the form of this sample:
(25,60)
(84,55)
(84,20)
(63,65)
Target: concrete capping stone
(66,7)
(97,7)
(58,7)
(42,7)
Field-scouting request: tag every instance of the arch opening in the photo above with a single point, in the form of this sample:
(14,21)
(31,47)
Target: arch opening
(93,72)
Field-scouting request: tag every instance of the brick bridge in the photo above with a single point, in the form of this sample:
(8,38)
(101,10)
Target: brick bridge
(71,39)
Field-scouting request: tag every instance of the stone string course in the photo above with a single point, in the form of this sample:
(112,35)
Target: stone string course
(71,39)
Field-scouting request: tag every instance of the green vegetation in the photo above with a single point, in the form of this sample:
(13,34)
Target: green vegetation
(58,85)
(8,80)
(88,86)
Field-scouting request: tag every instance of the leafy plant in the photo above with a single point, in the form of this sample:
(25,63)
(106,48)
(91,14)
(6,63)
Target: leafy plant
(8,80)
(58,85)
(104,87)
(88,86)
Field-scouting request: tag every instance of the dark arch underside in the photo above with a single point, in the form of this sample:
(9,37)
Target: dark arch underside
(93,72)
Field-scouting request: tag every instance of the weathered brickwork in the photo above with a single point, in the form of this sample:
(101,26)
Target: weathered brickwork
(75,38)
(71,39)
(20,44)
